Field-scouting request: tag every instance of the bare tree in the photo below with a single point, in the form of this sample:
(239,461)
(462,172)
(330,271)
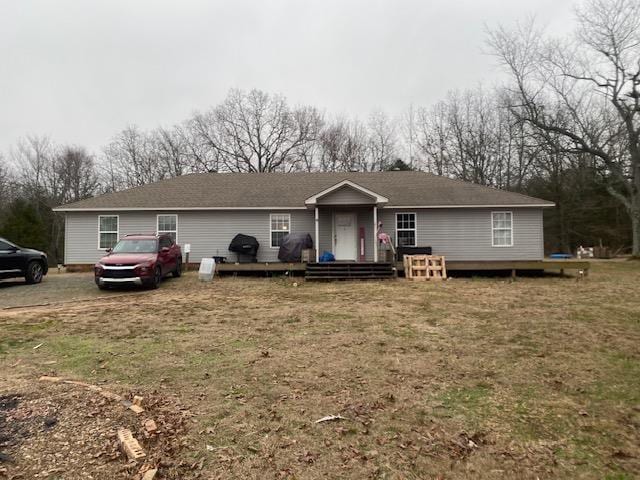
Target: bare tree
(75,175)
(130,161)
(201,156)
(34,156)
(382,141)
(7,184)
(48,176)
(408,138)
(471,136)
(343,146)
(595,78)
(433,137)
(257,132)
(170,149)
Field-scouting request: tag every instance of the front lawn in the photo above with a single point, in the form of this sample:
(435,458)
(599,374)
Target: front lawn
(473,377)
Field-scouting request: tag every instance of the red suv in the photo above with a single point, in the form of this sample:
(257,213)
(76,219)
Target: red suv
(139,260)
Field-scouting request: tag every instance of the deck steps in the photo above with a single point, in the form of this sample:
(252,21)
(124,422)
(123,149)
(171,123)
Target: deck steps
(349,271)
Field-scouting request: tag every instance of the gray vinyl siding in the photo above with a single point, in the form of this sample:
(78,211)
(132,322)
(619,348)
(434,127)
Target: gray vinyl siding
(208,232)
(465,234)
(459,234)
(345,196)
(325,224)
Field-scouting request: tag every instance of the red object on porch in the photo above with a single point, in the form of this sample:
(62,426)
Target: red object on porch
(362,244)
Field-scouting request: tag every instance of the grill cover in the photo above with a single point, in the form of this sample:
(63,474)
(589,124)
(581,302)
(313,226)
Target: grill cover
(244,245)
(292,246)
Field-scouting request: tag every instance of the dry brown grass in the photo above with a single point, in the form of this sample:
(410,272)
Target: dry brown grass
(475,378)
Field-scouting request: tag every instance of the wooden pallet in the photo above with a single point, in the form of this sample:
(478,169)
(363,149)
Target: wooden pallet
(424,267)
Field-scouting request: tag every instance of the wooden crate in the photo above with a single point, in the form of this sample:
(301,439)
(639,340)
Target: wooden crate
(308,255)
(424,267)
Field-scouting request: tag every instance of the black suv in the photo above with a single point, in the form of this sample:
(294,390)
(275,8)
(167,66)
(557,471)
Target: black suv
(16,261)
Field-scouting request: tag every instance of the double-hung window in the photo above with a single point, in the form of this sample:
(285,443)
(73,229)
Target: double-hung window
(168,224)
(107,231)
(280,227)
(502,229)
(405,229)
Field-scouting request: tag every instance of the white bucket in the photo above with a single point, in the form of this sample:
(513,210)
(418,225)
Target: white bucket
(207,269)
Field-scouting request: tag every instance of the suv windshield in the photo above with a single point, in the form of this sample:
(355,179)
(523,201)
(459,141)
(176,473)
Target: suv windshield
(136,246)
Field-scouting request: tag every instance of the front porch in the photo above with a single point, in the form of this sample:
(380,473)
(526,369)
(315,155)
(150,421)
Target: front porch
(559,266)
(346,222)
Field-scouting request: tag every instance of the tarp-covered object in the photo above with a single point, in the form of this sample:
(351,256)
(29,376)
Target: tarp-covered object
(292,246)
(327,257)
(245,245)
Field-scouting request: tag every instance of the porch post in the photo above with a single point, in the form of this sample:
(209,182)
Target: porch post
(375,233)
(317,239)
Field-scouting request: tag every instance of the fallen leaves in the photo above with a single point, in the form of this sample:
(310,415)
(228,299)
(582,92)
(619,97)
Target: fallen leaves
(80,430)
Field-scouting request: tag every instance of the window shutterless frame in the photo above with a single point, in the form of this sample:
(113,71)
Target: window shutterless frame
(403,229)
(100,231)
(158,231)
(285,219)
(508,214)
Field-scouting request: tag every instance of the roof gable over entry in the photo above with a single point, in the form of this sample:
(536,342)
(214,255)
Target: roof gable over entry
(346,193)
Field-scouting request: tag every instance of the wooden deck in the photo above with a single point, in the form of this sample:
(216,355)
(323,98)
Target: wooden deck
(496,265)
(272,267)
(452,265)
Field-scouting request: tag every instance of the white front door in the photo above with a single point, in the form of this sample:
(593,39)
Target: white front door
(345,238)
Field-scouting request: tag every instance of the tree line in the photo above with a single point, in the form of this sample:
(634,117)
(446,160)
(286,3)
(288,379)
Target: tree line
(564,127)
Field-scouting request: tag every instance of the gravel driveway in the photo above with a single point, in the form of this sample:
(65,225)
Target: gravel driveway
(59,287)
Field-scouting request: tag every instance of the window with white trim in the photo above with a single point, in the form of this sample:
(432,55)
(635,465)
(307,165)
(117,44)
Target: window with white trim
(405,229)
(107,231)
(168,224)
(280,226)
(502,229)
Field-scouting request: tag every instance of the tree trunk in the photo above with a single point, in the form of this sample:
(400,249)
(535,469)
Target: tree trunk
(635,232)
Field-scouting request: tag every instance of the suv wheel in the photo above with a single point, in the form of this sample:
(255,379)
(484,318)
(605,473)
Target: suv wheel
(157,278)
(34,272)
(178,271)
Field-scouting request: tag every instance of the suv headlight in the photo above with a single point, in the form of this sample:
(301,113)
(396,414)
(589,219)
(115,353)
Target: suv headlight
(143,267)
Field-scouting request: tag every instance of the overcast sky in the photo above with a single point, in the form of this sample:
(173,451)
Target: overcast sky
(80,70)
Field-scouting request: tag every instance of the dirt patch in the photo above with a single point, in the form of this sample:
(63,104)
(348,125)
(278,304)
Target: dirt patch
(65,431)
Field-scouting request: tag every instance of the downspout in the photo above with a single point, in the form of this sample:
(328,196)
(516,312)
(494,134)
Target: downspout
(317,239)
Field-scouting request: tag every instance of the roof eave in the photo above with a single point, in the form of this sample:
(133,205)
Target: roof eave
(281,207)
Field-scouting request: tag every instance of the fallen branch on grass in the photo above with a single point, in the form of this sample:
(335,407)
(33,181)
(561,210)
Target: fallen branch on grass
(105,393)
(330,418)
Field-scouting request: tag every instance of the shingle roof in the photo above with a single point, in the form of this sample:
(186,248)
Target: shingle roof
(286,190)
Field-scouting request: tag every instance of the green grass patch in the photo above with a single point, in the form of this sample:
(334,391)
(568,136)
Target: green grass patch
(473,404)
(16,337)
(400,330)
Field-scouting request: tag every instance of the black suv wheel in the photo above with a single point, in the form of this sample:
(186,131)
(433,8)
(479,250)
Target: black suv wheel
(34,273)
